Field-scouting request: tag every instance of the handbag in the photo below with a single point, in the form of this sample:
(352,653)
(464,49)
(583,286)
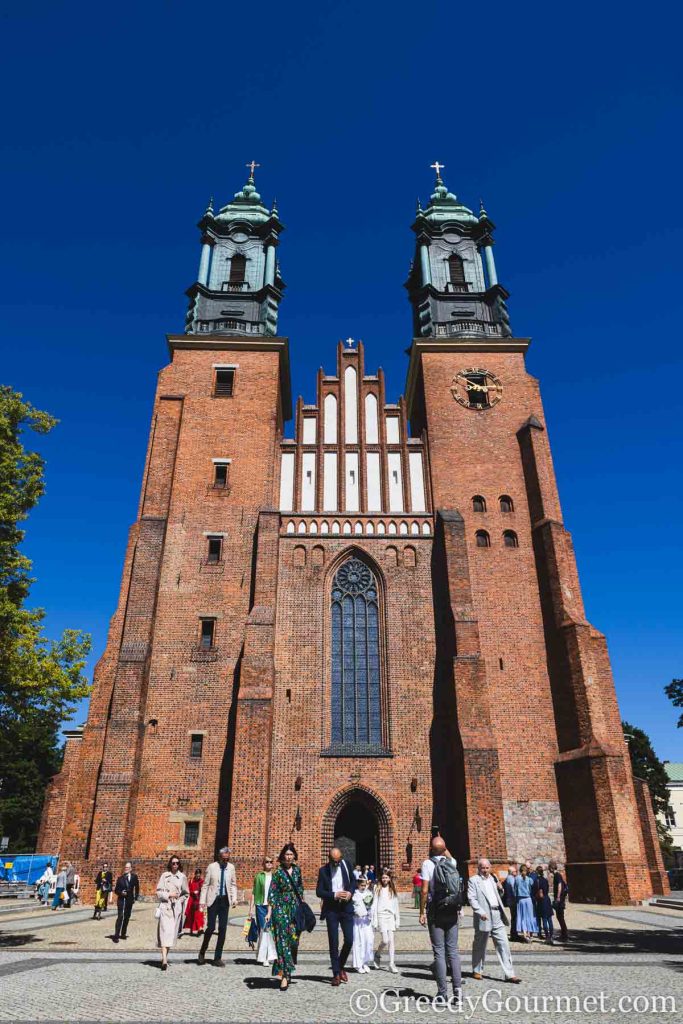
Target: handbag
(304,918)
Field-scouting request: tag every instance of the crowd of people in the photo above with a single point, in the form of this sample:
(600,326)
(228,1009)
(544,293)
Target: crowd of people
(357,901)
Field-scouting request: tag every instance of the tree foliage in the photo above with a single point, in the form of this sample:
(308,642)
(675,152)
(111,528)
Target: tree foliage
(41,680)
(674,692)
(646,765)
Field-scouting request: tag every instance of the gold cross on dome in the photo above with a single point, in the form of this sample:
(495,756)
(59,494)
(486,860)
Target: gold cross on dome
(252,167)
(437,167)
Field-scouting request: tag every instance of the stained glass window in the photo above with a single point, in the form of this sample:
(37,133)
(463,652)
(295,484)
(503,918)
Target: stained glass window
(356,703)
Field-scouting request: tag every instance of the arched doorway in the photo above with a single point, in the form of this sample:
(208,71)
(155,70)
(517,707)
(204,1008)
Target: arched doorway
(356,833)
(358,821)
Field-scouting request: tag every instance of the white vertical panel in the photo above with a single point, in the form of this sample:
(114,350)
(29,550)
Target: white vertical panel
(371,429)
(308,482)
(330,482)
(287,482)
(374,488)
(330,433)
(417,482)
(392,430)
(309,430)
(395,482)
(351,481)
(350,405)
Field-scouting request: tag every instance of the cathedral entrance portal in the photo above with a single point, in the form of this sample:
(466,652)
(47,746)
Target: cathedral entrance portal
(359,823)
(356,833)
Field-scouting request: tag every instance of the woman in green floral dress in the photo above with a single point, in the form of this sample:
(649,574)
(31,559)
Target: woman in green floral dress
(281,916)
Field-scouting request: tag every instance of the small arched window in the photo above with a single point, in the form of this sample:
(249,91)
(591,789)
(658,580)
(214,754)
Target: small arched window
(238,268)
(483,539)
(456,269)
(478,503)
(506,503)
(510,539)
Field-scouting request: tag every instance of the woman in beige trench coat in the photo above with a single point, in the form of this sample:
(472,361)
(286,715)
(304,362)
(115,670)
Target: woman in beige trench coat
(172,892)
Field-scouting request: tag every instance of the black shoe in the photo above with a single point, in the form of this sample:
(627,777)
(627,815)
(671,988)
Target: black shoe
(218,963)
(116,938)
(201,959)
(124,937)
(164,967)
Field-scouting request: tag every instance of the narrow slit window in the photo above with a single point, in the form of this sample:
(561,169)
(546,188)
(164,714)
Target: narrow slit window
(225,383)
(215,549)
(220,475)
(196,744)
(191,837)
(207,634)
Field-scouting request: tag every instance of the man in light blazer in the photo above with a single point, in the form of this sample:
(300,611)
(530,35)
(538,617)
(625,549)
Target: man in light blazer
(490,918)
(218,894)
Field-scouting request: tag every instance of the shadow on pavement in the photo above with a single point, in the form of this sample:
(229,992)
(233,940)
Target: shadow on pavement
(625,940)
(12,940)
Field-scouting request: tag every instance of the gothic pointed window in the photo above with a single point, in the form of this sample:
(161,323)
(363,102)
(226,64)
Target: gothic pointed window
(355,654)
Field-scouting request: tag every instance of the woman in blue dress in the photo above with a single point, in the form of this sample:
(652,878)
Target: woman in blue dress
(526,919)
(286,891)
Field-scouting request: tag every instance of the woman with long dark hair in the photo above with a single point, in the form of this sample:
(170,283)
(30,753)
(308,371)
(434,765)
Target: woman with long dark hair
(285,893)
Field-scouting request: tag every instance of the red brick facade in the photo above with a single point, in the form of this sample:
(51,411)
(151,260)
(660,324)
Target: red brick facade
(500,724)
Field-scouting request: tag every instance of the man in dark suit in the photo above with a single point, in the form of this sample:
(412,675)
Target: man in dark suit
(336,886)
(127,890)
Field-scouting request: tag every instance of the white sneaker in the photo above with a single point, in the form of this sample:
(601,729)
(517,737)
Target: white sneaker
(393,968)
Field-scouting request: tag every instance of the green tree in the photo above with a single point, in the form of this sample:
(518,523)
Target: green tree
(674,692)
(41,680)
(646,765)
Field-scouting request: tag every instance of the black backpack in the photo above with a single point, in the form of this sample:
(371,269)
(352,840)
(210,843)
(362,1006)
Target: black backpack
(447,893)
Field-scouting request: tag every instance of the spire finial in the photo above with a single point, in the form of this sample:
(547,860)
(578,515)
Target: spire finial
(482,211)
(438,168)
(419,206)
(209,209)
(274,207)
(252,167)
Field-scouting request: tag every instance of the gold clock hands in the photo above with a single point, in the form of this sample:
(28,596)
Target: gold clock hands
(472,386)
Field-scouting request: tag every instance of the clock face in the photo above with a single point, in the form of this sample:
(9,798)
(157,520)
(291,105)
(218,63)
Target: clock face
(475,388)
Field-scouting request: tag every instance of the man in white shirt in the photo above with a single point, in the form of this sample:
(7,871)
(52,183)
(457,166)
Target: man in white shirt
(443,922)
(483,894)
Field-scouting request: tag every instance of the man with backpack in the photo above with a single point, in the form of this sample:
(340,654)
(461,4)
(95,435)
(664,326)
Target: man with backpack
(440,906)
(483,894)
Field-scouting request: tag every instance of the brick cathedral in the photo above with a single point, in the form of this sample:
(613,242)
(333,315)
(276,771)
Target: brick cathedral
(363,628)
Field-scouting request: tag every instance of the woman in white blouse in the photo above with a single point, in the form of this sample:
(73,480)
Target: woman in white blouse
(172,892)
(386,917)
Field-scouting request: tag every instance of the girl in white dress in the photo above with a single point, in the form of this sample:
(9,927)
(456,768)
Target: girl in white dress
(363,935)
(386,917)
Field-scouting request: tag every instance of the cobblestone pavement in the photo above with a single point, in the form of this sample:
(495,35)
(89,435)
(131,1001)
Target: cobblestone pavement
(608,958)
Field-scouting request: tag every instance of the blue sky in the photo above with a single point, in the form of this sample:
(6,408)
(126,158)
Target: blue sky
(119,122)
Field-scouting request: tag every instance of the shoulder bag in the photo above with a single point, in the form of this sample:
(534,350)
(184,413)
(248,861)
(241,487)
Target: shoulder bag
(304,918)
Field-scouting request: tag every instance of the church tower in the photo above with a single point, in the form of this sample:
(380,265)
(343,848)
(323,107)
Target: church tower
(238,287)
(525,713)
(188,668)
